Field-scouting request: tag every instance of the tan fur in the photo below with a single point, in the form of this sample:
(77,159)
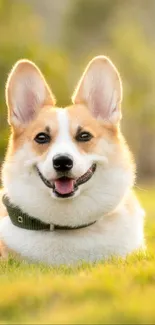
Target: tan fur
(3,211)
(46,118)
(80,116)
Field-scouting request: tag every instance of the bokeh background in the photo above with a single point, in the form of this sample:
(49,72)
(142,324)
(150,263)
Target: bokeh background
(61,36)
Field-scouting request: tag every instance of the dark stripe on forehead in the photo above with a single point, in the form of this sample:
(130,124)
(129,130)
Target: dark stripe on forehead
(47,129)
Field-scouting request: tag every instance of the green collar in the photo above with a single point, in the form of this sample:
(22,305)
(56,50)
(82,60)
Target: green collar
(23,220)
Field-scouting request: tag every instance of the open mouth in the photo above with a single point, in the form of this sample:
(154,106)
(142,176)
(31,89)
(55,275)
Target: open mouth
(66,186)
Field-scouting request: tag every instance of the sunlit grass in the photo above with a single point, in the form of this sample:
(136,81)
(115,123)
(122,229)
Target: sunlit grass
(113,292)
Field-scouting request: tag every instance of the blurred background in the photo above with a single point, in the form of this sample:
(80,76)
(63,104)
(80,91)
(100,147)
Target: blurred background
(61,36)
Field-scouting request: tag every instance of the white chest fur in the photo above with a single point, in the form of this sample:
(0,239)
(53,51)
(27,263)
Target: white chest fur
(118,234)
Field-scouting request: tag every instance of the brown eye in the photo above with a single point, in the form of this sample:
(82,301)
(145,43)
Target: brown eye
(42,138)
(84,136)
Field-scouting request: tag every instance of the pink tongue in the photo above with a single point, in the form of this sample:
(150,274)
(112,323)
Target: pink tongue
(64,186)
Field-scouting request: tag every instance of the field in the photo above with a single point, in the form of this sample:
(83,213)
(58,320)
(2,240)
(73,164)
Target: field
(117,292)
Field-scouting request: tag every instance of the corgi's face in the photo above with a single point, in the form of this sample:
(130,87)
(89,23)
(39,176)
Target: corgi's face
(67,153)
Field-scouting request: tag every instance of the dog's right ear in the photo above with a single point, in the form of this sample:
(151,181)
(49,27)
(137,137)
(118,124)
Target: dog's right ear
(26,93)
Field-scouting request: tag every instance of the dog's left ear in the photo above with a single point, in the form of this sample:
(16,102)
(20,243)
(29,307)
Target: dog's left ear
(26,93)
(100,89)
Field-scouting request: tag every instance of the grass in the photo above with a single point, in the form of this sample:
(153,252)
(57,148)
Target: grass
(115,292)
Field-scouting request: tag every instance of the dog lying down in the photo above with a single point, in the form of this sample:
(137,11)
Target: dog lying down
(68,173)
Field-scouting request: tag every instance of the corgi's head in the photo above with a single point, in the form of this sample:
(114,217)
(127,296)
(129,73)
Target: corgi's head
(72,158)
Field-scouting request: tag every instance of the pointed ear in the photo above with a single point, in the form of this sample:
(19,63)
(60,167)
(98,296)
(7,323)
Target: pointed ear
(100,89)
(26,93)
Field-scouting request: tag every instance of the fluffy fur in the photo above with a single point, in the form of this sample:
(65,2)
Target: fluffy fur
(106,198)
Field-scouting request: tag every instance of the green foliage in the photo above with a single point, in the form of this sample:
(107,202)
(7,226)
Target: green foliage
(115,292)
(84,23)
(134,57)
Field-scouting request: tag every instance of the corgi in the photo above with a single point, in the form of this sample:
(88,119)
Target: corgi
(68,174)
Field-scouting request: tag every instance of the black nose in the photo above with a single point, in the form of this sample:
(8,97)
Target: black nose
(62,163)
